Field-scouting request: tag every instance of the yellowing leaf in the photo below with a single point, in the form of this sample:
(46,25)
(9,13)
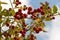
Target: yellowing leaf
(38,20)
(3,2)
(42,24)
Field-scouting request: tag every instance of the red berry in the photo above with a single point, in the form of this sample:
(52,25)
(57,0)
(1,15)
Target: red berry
(24,29)
(35,10)
(41,7)
(7,24)
(29,8)
(32,37)
(38,10)
(30,12)
(16,32)
(37,31)
(18,2)
(24,15)
(5,34)
(17,17)
(53,18)
(19,10)
(24,24)
(23,32)
(34,28)
(15,38)
(12,27)
(43,12)
(40,29)
(48,7)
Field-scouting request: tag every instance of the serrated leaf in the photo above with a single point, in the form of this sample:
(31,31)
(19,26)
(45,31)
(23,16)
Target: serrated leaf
(55,9)
(0,7)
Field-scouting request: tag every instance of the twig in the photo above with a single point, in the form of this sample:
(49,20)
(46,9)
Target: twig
(11,4)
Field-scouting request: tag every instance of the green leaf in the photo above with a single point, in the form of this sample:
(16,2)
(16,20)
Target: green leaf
(31,30)
(42,24)
(5,12)
(12,12)
(11,32)
(47,19)
(55,9)
(0,7)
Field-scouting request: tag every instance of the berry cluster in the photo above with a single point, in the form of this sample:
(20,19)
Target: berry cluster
(23,32)
(38,16)
(37,29)
(15,38)
(17,2)
(32,37)
(20,15)
(6,34)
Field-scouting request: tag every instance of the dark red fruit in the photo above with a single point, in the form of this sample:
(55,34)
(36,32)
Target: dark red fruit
(41,7)
(18,2)
(37,30)
(29,8)
(34,28)
(16,32)
(48,7)
(6,34)
(7,24)
(35,10)
(15,38)
(19,10)
(53,18)
(43,12)
(30,12)
(24,24)
(23,32)
(40,29)
(17,16)
(24,15)
(38,10)
(32,37)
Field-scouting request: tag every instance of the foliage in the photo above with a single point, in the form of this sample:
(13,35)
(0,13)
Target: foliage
(39,16)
